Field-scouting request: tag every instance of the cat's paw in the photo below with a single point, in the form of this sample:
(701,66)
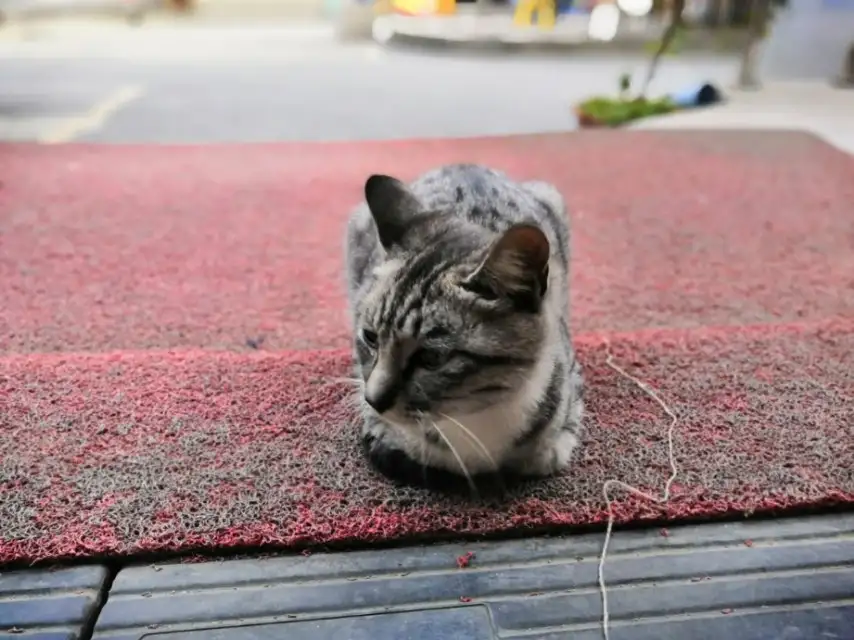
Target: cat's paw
(550,456)
(383,453)
(377,442)
(387,457)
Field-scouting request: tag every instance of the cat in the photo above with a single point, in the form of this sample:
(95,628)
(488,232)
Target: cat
(459,300)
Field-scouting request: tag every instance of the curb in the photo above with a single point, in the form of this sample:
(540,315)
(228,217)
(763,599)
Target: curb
(496,46)
(405,40)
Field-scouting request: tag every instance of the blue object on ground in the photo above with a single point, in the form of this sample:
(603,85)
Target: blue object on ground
(701,95)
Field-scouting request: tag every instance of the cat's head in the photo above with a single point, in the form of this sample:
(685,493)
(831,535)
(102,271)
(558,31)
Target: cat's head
(452,320)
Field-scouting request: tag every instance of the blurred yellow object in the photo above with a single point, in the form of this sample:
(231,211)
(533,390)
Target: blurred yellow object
(545,10)
(383,7)
(425,7)
(446,7)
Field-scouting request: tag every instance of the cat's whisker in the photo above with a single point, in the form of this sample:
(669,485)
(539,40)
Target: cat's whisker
(474,439)
(457,456)
(353,400)
(356,382)
(423,449)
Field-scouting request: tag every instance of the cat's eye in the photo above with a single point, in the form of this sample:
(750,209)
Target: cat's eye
(369,338)
(429,358)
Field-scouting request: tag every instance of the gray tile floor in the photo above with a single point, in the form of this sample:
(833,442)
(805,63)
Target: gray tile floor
(785,579)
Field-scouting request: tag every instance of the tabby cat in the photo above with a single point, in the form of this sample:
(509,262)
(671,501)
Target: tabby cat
(458,293)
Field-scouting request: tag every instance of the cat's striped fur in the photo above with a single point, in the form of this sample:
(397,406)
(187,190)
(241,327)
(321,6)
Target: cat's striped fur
(458,291)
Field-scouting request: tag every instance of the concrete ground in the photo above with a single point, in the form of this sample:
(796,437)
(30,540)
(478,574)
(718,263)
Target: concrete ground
(167,82)
(812,106)
(175,81)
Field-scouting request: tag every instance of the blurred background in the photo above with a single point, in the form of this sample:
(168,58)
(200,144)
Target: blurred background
(258,70)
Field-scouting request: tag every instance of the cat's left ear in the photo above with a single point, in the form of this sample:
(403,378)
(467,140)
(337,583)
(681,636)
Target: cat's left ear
(516,267)
(392,206)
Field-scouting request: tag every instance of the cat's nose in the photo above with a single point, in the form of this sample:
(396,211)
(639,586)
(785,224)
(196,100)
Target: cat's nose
(381,390)
(380,402)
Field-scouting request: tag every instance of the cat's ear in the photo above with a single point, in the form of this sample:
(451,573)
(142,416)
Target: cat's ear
(516,267)
(392,206)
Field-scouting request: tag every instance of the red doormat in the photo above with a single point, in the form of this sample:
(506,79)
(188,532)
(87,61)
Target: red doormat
(173,325)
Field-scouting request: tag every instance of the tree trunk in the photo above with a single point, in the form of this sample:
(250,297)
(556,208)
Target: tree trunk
(724,13)
(846,78)
(676,8)
(748,75)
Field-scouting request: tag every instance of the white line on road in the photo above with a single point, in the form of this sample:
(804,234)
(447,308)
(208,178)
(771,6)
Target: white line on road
(93,119)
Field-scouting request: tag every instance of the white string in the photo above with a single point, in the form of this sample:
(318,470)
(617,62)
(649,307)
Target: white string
(609,484)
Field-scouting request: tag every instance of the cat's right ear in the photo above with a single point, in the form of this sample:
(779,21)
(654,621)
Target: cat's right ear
(516,267)
(392,206)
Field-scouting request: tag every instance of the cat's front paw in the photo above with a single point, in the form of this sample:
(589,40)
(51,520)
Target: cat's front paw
(374,442)
(387,456)
(549,457)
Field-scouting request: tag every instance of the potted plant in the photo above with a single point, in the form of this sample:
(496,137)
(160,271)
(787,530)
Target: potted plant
(605,111)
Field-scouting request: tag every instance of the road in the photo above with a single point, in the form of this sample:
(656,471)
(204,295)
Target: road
(116,83)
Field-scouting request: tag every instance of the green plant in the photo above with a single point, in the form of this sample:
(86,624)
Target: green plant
(613,112)
(625,85)
(674,26)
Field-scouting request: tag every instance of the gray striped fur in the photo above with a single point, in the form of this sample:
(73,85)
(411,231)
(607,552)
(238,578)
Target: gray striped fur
(460,322)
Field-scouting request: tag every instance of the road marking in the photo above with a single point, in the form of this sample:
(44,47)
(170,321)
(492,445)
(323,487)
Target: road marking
(93,119)
(26,129)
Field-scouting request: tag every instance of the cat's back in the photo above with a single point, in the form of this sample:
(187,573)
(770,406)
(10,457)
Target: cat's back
(466,188)
(491,199)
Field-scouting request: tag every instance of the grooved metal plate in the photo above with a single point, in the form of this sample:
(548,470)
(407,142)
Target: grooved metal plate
(765,580)
(50,605)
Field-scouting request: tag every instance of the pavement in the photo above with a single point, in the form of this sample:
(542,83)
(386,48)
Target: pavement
(178,83)
(167,83)
(204,10)
(812,106)
(188,81)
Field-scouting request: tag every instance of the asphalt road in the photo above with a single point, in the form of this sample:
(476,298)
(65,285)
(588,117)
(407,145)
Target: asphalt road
(157,84)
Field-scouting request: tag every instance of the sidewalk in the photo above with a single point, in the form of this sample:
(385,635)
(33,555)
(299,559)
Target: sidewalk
(18,12)
(79,28)
(56,14)
(810,106)
(164,37)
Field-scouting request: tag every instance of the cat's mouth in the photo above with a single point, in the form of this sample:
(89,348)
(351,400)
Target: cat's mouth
(488,390)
